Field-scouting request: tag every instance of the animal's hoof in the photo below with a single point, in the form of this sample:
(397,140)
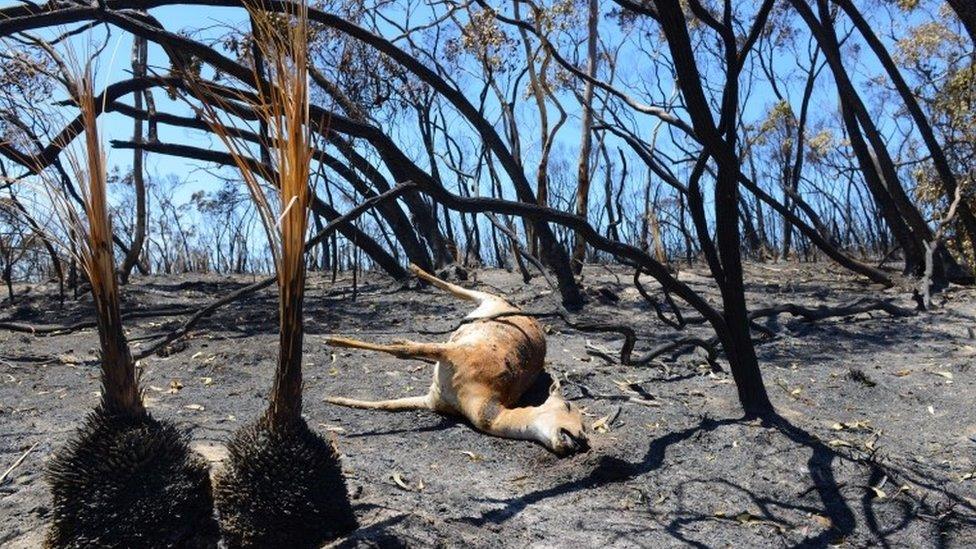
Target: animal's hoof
(568,443)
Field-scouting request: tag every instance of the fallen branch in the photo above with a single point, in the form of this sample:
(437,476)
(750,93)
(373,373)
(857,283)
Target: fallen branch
(673,346)
(200,314)
(678,323)
(61,330)
(822,312)
(708,345)
(629,334)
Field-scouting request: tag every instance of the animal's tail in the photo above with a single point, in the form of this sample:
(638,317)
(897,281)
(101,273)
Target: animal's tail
(453,289)
(400,349)
(393,405)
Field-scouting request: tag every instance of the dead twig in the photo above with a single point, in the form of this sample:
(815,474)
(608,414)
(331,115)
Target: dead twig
(62,330)
(600,352)
(3,477)
(520,250)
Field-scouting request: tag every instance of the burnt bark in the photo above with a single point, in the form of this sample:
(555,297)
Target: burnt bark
(139,53)
(939,160)
(583,172)
(902,217)
(718,141)
(25,17)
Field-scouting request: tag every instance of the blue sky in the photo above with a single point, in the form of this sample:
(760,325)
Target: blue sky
(212,22)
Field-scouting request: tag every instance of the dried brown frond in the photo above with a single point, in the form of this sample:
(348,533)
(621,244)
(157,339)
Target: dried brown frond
(91,229)
(281,104)
(287,116)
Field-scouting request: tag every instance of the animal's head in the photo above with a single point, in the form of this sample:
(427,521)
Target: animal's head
(560,425)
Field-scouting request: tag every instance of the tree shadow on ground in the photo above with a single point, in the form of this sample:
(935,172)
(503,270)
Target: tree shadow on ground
(840,520)
(608,470)
(376,534)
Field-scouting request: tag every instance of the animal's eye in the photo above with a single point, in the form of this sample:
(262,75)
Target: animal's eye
(569,408)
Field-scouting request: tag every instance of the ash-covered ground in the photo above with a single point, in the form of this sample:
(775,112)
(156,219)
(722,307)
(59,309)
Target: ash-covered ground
(875,443)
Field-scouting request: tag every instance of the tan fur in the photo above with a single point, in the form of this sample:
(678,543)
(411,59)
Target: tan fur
(482,371)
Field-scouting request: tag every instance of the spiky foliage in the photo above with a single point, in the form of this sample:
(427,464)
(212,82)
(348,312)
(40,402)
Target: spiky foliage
(125,479)
(130,482)
(282,485)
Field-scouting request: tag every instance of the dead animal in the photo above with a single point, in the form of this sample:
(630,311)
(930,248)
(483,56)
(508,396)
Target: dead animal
(482,373)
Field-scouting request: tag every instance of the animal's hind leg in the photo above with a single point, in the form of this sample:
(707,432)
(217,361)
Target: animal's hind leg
(401,349)
(453,289)
(424,402)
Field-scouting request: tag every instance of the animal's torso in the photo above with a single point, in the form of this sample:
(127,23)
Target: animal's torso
(498,358)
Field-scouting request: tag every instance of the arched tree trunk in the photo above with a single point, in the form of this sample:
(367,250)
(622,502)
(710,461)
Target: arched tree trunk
(939,160)
(882,180)
(966,10)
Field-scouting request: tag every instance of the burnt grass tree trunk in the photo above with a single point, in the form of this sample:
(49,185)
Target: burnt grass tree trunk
(125,479)
(282,485)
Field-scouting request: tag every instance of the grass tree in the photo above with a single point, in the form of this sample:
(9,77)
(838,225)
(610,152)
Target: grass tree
(282,485)
(125,479)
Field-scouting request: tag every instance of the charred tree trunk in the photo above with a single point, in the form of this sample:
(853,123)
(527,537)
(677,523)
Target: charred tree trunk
(939,160)
(7,274)
(179,47)
(363,241)
(966,11)
(139,54)
(391,212)
(450,254)
(736,339)
(583,172)
(424,218)
(753,244)
(612,230)
(851,105)
(539,94)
